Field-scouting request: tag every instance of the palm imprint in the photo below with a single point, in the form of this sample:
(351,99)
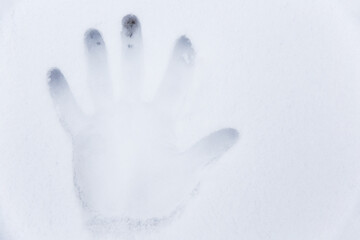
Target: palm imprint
(127,168)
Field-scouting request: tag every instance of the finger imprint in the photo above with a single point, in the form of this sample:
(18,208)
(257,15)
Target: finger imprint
(69,113)
(131,32)
(211,147)
(132,57)
(99,80)
(178,76)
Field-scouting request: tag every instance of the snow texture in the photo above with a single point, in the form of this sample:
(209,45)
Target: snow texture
(144,82)
(127,169)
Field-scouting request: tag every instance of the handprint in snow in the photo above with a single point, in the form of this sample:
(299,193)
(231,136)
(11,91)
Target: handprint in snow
(127,168)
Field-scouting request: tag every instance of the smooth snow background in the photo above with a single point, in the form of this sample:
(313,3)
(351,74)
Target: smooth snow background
(285,74)
(5,5)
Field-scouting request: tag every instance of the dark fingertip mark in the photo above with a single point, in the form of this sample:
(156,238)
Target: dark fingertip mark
(54,76)
(184,41)
(130,24)
(184,49)
(56,81)
(93,39)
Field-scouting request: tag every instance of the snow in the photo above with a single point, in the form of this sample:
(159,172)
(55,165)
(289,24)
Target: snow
(284,74)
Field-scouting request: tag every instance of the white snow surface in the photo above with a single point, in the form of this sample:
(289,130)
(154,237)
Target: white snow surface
(284,73)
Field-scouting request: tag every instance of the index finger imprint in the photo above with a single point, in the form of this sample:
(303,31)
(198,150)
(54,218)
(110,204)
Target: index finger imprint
(99,80)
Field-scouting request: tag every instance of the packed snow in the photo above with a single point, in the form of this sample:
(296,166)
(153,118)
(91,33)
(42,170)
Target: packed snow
(271,88)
